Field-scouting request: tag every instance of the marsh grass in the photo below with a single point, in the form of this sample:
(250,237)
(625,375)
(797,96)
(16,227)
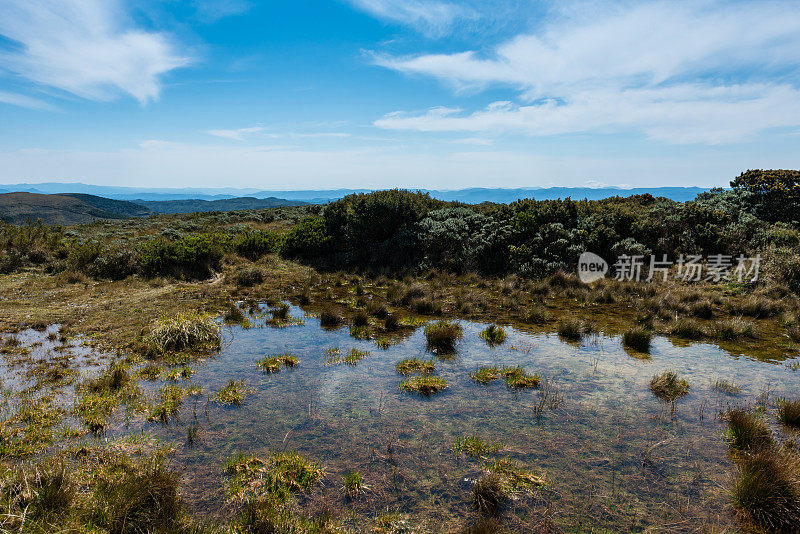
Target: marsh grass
(493,335)
(43,493)
(475,446)
(232,394)
(767,491)
(538,314)
(180,373)
(518,378)
(726,387)
(442,336)
(354,356)
(747,431)
(150,372)
(485,374)
(170,399)
(733,329)
(408,366)
(489,495)
(185,331)
(574,329)
(638,339)
(668,386)
(686,328)
(353,484)
(789,413)
(424,385)
(278,476)
(330,319)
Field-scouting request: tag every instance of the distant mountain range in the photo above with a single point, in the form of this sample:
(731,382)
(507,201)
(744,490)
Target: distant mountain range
(321,196)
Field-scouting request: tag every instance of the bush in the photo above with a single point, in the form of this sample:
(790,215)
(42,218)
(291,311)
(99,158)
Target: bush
(192,257)
(308,240)
(255,244)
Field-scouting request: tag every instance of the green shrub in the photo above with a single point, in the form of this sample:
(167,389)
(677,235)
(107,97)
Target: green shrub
(308,240)
(255,244)
(192,257)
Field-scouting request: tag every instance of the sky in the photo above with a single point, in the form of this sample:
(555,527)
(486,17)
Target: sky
(437,94)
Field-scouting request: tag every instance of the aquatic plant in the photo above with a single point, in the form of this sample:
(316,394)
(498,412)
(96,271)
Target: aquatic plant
(192,435)
(169,402)
(687,329)
(407,366)
(767,491)
(489,494)
(330,319)
(637,338)
(150,372)
(746,430)
(234,315)
(279,476)
(733,329)
(729,388)
(184,331)
(353,483)
(789,413)
(424,385)
(391,323)
(475,446)
(538,315)
(573,329)
(354,356)
(442,336)
(360,318)
(493,335)
(360,332)
(269,364)
(485,374)
(180,373)
(232,394)
(668,387)
(518,378)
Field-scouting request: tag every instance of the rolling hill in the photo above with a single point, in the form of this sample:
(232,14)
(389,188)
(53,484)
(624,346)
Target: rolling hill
(229,204)
(65,209)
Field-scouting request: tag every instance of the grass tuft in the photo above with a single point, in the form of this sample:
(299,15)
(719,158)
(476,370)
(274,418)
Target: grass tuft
(424,385)
(442,336)
(493,335)
(789,413)
(767,491)
(185,331)
(408,366)
(747,431)
(637,338)
(232,394)
(485,374)
(668,387)
(518,378)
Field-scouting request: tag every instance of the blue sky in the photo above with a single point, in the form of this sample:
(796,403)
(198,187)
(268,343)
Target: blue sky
(396,93)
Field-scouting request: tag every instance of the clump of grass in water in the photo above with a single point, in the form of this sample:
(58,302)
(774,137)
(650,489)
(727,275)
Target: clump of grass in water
(354,356)
(192,435)
(442,336)
(747,431)
(424,385)
(485,374)
(280,475)
(789,413)
(232,394)
(475,446)
(333,356)
(181,373)
(767,491)
(687,329)
(493,335)
(499,482)
(729,388)
(518,378)
(573,329)
(353,483)
(638,339)
(733,329)
(150,372)
(272,364)
(538,315)
(330,319)
(409,366)
(234,315)
(41,494)
(29,430)
(185,331)
(170,400)
(668,387)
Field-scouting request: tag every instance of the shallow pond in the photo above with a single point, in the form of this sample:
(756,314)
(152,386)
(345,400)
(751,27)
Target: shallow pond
(613,455)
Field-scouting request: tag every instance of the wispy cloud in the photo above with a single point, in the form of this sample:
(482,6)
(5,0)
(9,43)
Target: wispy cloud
(431,17)
(239,134)
(212,10)
(681,72)
(89,48)
(24,101)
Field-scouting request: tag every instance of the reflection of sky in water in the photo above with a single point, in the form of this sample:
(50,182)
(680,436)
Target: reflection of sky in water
(609,440)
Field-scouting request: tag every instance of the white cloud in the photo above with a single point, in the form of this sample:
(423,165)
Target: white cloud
(89,48)
(680,72)
(432,17)
(238,134)
(212,10)
(24,101)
